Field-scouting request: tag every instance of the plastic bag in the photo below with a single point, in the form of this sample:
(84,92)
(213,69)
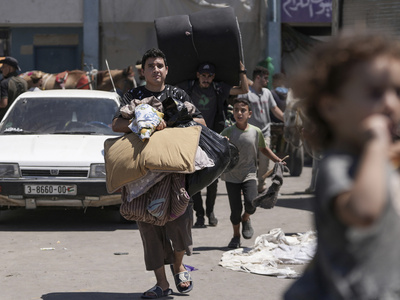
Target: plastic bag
(234,157)
(175,112)
(217,148)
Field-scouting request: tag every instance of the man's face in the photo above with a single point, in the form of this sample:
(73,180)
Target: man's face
(205,79)
(263,80)
(5,70)
(155,71)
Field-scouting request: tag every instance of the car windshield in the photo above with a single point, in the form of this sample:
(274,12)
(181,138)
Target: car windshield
(60,116)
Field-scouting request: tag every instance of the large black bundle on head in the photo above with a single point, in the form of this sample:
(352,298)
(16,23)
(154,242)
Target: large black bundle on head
(206,36)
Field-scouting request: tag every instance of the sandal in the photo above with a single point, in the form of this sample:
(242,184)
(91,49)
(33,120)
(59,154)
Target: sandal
(157,292)
(180,278)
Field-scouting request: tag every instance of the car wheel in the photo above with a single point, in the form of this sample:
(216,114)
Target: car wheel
(295,161)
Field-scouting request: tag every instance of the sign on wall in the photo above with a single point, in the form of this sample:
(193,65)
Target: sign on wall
(306,11)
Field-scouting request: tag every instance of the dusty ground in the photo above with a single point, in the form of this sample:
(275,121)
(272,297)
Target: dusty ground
(64,254)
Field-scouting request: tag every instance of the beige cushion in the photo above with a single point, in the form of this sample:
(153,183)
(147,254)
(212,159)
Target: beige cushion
(127,158)
(121,157)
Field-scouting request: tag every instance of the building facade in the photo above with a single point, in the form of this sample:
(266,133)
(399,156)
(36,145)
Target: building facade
(58,35)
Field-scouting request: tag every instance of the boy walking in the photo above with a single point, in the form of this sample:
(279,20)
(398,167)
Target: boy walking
(243,177)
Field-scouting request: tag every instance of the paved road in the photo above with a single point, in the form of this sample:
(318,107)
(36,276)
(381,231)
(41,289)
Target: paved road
(84,264)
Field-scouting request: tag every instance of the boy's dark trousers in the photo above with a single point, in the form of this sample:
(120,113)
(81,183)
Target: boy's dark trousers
(210,201)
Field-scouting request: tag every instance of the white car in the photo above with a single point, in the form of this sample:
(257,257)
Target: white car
(52,149)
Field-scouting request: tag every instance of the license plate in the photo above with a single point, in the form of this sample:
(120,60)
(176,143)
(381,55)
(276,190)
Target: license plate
(41,189)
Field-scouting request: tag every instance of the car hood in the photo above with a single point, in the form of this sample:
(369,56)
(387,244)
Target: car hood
(52,150)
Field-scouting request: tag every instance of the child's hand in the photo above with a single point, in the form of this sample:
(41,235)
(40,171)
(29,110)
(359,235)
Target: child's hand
(282,160)
(162,125)
(377,127)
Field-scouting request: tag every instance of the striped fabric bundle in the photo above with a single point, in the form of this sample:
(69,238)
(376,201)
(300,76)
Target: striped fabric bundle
(165,201)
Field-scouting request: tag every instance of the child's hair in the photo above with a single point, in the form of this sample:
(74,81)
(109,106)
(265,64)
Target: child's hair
(245,101)
(259,70)
(328,70)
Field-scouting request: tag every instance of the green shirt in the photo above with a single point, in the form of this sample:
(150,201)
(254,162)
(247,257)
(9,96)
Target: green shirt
(248,142)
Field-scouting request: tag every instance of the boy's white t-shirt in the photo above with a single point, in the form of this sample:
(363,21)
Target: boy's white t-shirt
(247,141)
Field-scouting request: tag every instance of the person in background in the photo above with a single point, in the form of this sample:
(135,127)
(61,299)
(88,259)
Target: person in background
(262,102)
(279,91)
(242,179)
(350,91)
(141,79)
(11,86)
(211,98)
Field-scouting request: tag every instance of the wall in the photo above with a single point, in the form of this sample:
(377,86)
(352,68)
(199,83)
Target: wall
(41,12)
(24,40)
(379,15)
(126,26)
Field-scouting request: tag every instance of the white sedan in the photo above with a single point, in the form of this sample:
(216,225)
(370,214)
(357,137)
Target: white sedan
(52,149)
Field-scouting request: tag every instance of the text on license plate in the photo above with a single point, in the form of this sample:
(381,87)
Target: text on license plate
(40,189)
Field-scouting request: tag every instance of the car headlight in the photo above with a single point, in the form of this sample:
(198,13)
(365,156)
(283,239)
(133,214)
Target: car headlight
(97,171)
(9,171)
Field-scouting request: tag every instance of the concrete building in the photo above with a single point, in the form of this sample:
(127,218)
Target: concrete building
(58,35)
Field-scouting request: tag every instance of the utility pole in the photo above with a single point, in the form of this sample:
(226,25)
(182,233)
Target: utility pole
(274,49)
(337,7)
(91,13)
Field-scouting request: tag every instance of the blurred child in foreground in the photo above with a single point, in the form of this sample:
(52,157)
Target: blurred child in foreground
(350,90)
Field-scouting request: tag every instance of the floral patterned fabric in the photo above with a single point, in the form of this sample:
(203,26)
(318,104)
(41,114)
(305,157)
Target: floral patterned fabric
(146,121)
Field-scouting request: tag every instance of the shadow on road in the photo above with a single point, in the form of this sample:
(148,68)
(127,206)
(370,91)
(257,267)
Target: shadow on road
(199,249)
(91,296)
(100,296)
(50,219)
(296,203)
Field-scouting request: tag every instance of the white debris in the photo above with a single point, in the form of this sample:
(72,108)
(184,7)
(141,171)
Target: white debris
(271,250)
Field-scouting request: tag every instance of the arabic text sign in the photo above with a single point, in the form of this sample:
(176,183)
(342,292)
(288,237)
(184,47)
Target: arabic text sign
(306,11)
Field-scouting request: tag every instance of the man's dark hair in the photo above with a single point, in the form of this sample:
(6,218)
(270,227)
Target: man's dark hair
(258,70)
(153,53)
(245,101)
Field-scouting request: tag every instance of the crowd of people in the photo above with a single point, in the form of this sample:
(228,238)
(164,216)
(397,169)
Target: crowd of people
(167,244)
(349,90)
(350,93)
